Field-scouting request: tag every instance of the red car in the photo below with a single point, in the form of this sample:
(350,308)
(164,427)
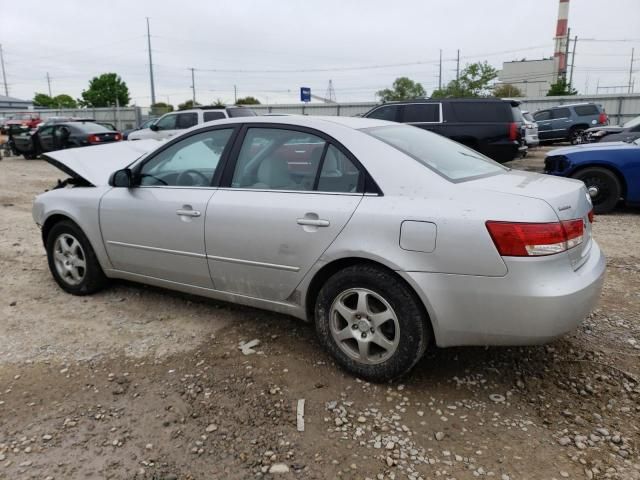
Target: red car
(29,120)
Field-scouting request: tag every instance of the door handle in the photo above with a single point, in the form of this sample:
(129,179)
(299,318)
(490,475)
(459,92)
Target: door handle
(183,212)
(313,222)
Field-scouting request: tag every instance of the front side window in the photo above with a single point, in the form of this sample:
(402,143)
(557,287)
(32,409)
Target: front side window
(191,162)
(421,112)
(447,158)
(168,122)
(389,112)
(278,159)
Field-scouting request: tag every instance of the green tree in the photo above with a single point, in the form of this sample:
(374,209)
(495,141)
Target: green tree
(187,105)
(160,108)
(104,90)
(506,90)
(561,87)
(248,101)
(218,103)
(64,101)
(474,81)
(59,101)
(403,88)
(42,100)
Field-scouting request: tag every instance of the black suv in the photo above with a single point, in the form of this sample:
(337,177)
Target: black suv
(491,126)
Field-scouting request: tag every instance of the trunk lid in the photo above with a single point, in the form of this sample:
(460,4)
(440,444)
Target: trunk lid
(567,197)
(95,165)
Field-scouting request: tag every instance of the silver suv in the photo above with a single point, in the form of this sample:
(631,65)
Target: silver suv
(172,123)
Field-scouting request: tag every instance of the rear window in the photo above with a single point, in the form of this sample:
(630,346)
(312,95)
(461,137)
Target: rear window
(89,127)
(586,110)
(240,112)
(421,112)
(481,111)
(449,159)
(527,116)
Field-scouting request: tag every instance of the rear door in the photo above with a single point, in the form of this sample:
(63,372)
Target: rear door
(45,137)
(288,194)
(561,122)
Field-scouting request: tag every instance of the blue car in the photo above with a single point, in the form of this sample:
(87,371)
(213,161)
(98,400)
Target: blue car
(611,171)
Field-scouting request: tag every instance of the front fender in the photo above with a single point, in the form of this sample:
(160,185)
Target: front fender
(81,205)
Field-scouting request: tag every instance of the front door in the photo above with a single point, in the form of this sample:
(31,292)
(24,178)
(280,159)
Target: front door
(156,228)
(45,137)
(291,194)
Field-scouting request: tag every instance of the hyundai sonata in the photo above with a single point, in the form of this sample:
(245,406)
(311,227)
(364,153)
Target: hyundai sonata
(390,238)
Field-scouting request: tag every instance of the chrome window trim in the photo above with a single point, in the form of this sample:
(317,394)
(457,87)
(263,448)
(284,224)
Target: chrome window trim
(312,192)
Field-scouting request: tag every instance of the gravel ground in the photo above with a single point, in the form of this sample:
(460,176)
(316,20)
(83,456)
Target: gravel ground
(143,383)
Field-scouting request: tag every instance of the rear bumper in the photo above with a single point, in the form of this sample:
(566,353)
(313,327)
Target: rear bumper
(503,151)
(537,301)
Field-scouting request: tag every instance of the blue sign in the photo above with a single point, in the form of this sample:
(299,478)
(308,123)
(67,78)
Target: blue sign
(305,94)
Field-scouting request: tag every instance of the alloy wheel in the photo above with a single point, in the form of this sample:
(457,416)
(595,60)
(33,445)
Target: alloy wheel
(69,259)
(364,326)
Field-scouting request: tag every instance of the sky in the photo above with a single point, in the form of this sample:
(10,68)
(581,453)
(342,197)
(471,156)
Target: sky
(269,49)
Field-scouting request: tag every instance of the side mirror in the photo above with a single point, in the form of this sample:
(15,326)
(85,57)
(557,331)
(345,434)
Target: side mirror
(154,127)
(121,178)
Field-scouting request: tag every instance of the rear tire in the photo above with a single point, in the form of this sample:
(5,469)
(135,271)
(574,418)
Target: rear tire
(72,261)
(576,135)
(371,323)
(603,186)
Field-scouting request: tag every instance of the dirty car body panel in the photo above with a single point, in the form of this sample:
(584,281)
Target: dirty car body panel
(415,206)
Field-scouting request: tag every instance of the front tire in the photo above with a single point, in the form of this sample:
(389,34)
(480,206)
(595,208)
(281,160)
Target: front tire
(72,261)
(603,186)
(371,323)
(576,136)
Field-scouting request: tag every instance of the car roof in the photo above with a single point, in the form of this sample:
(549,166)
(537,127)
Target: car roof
(564,105)
(318,122)
(512,101)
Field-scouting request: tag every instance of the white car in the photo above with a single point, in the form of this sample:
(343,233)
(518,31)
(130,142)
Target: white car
(172,123)
(530,130)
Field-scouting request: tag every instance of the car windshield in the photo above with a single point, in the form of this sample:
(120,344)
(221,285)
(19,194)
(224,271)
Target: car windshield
(447,158)
(632,123)
(240,112)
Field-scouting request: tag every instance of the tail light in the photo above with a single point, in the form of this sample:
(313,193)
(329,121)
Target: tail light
(117,137)
(513,131)
(603,119)
(93,139)
(591,216)
(535,239)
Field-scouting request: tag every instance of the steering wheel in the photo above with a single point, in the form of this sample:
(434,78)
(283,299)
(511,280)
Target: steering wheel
(187,173)
(159,180)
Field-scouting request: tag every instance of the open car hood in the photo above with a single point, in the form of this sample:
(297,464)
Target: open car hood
(95,164)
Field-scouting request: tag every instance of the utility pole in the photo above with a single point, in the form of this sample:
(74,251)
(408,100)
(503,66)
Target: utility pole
(193,84)
(566,54)
(440,72)
(458,67)
(4,73)
(49,84)
(235,95)
(630,73)
(573,58)
(153,88)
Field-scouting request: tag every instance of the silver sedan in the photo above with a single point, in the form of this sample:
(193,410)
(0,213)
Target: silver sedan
(388,237)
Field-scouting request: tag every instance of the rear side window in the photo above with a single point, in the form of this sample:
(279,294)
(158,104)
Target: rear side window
(544,115)
(240,112)
(586,110)
(389,112)
(561,113)
(481,112)
(209,116)
(338,173)
(421,112)
(186,120)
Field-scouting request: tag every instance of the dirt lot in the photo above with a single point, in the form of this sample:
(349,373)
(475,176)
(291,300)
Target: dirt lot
(143,383)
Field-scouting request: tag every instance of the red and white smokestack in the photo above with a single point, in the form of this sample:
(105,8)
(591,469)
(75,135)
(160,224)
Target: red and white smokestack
(560,55)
